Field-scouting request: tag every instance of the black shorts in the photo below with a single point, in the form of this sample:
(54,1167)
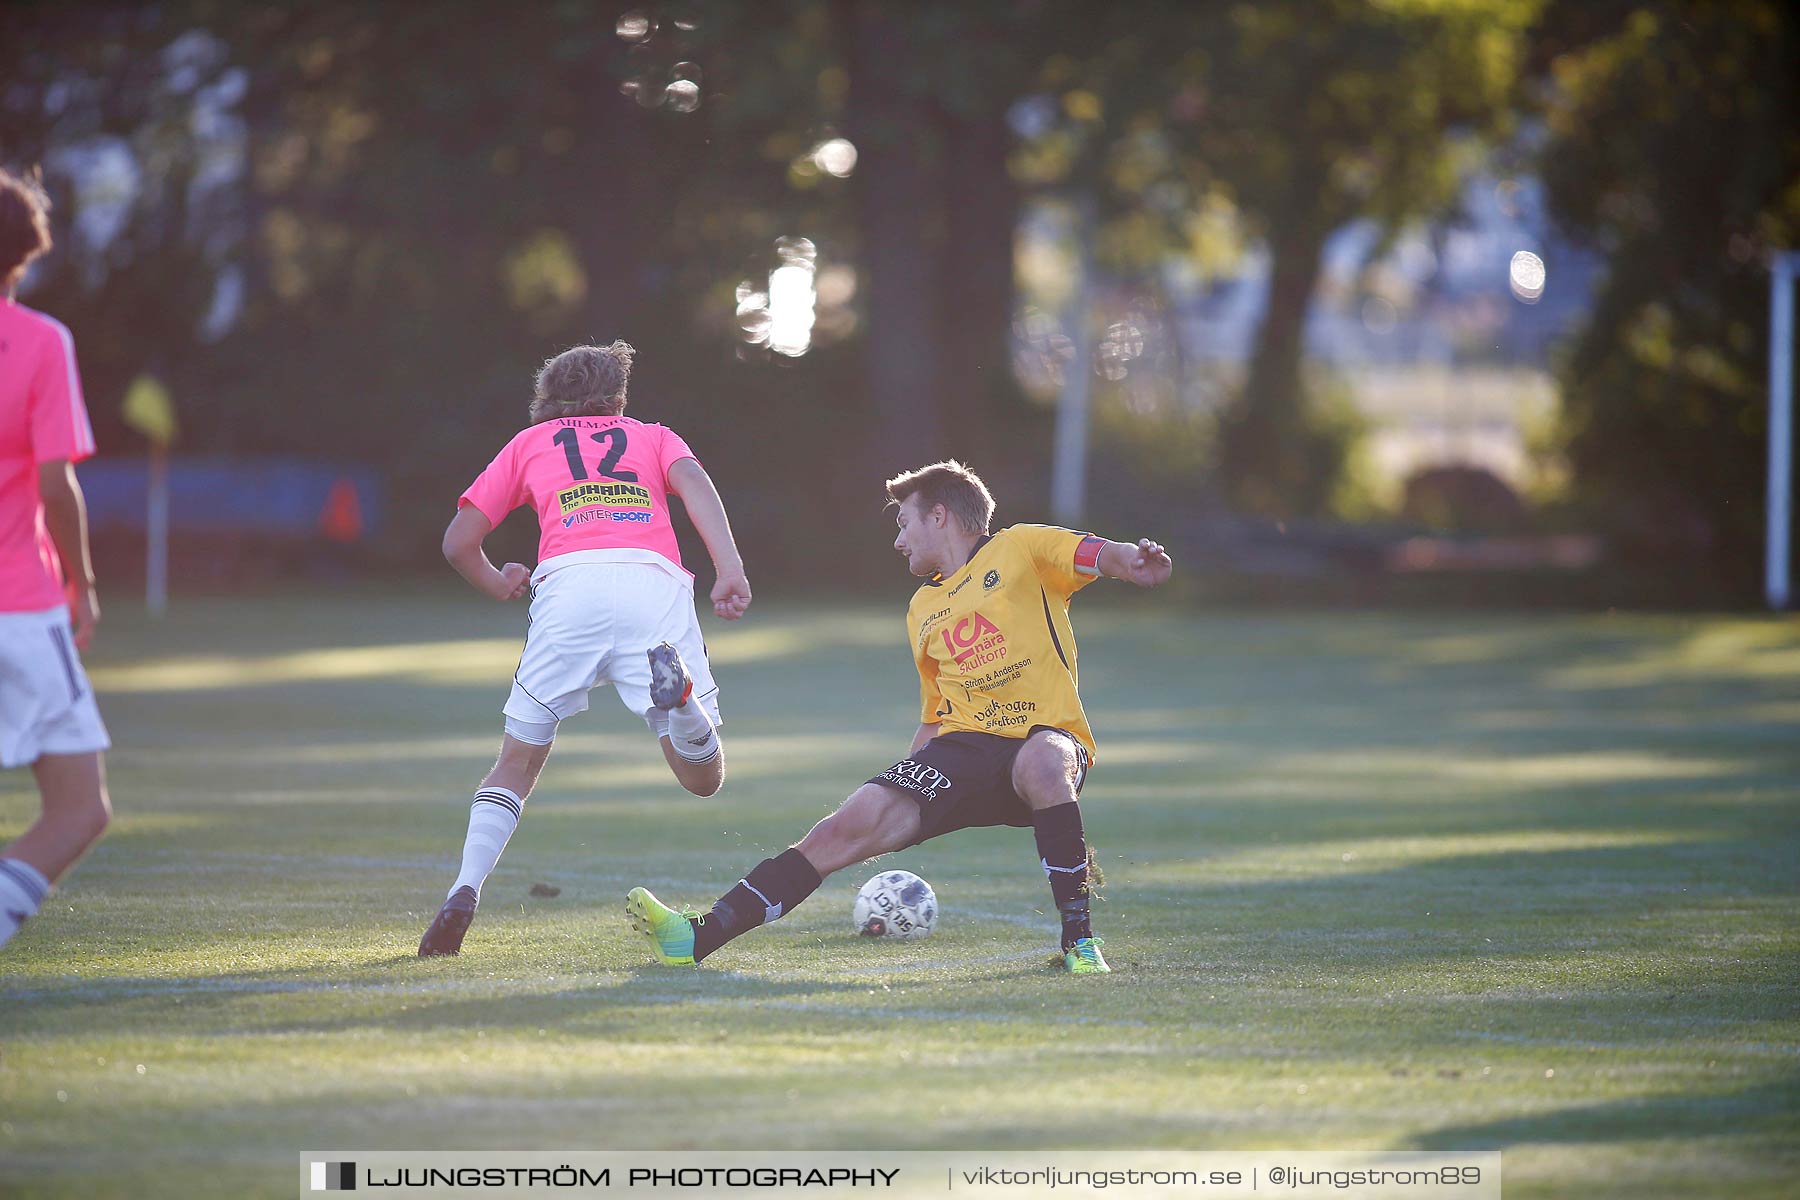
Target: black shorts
(964,781)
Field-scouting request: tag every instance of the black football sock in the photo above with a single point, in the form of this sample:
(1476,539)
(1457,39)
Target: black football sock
(1063,851)
(773,888)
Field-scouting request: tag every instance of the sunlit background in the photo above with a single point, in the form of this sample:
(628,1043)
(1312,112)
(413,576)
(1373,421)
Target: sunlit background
(1400,300)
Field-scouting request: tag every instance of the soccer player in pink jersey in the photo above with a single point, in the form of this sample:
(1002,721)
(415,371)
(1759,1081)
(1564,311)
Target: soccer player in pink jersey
(48,606)
(610,600)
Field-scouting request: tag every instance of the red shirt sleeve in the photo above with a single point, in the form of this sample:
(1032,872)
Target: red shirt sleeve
(499,489)
(59,418)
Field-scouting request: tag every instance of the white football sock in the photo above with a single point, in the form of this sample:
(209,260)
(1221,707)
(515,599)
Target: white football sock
(492,818)
(22,890)
(691,732)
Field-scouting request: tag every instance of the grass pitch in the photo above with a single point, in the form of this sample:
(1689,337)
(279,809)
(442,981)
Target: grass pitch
(1526,883)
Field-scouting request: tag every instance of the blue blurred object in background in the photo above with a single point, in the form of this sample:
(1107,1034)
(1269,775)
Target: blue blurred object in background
(295,498)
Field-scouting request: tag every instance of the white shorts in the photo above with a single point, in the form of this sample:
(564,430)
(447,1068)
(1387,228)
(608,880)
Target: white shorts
(46,703)
(591,623)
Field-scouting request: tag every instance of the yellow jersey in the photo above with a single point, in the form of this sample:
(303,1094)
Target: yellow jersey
(992,640)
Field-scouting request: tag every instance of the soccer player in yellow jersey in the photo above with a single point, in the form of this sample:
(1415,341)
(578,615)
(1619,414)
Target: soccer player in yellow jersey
(1002,737)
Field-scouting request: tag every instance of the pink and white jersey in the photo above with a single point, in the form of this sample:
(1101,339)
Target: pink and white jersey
(596,483)
(42,419)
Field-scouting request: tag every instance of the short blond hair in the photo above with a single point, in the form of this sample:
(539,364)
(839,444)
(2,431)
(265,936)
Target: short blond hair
(950,484)
(583,381)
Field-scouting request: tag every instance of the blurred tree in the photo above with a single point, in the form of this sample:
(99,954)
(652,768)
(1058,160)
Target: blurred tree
(1309,115)
(403,221)
(929,91)
(130,115)
(428,200)
(418,220)
(1290,118)
(1673,144)
(900,170)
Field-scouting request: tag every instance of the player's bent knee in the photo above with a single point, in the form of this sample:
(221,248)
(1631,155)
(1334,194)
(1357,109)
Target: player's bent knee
(701,778)
(99,815)
(1045,771)
(73,792)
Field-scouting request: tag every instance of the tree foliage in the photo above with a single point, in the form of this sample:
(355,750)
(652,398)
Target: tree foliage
(1296,117)
(431,199)
(1312,115)
(1674,145)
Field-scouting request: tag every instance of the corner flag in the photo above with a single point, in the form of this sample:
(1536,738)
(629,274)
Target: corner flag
(149,410)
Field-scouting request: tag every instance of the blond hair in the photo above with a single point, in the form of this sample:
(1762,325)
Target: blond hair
(950,484)
(583,381)
(24,224)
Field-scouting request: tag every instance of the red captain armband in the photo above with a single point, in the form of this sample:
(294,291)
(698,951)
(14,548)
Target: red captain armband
(1087,555)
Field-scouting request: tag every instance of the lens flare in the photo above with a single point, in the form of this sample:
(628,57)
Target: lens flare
(836,157)
(1526,277)
(791,308)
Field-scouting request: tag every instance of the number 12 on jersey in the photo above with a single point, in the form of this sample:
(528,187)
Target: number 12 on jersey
(570,441)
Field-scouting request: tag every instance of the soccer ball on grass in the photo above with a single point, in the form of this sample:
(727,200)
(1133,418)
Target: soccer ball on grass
(895,904)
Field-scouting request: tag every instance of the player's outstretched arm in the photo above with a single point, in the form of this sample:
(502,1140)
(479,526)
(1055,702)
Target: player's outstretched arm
(65,516)
(462,547)
(731,590)
(1144,563)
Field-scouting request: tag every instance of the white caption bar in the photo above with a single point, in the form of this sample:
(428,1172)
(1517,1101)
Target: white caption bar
(904,1175)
